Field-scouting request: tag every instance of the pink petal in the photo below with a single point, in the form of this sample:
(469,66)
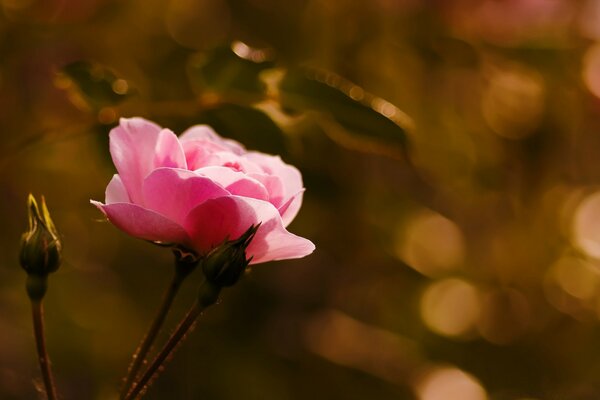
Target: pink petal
(290,208)
(235,182)
(197,152)
(205,132)
(278,244)
(116,192)
(142,223)
(174,192)
(168,151)
(290,178)
(137,147)
(233,161)
(274,187)
(274,165)
(228,217)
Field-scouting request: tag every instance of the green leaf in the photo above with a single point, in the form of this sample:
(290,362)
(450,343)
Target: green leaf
(230,71)
(247,125)
(97,85)
(363,115)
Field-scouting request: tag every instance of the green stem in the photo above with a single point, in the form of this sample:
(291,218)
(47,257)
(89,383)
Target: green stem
(174,340)
(142,351)
(40,341)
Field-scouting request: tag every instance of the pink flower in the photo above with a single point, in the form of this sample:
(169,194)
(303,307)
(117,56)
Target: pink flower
(199,189)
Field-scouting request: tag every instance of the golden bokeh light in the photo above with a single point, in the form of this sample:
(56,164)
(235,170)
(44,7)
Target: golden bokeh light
(586,225)
(576,277)
(449,383)
(450,307)
(571,286)
(513,101)
(591,69)
(431,244)
(344,340)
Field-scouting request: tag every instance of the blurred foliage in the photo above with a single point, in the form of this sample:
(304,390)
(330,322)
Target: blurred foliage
(458,249)
(226,72)
(99,86)
(358,112)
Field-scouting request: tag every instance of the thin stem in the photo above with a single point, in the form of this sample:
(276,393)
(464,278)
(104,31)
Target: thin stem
(174,340)
(40,341)
(142,351)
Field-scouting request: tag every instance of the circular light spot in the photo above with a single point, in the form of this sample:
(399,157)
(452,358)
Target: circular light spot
(120,86)
(449,383)
(383,107)
(246,52)
(576,277)
(591,69)
(513,101)
(431,244)
(586,225)
(450,307)
(107,115)
(356,93)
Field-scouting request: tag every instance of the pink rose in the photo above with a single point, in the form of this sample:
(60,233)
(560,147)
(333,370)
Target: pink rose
(199,189)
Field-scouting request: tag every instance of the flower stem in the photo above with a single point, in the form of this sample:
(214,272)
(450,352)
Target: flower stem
(208,296)
(38,328)
(142,351)
(173,341)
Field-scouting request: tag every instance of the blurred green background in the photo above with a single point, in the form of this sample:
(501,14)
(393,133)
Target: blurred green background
(457,222)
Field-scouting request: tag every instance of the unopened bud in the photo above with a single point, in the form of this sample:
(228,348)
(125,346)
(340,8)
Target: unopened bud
(209,294)
(40,246)
(225,264)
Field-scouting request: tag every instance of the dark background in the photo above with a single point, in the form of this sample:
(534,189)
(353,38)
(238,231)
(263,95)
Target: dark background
(458,245)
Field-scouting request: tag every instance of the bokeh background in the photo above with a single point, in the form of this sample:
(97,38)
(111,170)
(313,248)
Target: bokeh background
(451,155)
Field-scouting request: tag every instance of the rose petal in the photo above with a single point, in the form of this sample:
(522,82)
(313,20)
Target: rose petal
(197,152)
(274,187)
(137,147)
(174,192)
(229,217)
(142,223)
(116,192)
(233,161)
(290,208)
(235,182)
(205,132)
(274,165)
(168,151)
(290,178)
(278,244)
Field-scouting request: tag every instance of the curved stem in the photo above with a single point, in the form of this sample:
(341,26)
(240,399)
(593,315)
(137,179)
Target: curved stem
(176,338)
(142,351)
(37,311)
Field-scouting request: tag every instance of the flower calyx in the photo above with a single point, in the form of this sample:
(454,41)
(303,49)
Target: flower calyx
(224,265)
(40,248)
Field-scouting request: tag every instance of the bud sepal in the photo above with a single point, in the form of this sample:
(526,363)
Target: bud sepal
(224,265)
(40,246)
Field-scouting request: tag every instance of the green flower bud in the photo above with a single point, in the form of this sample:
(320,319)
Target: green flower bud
(209,294)
(225,264)
(40,246)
